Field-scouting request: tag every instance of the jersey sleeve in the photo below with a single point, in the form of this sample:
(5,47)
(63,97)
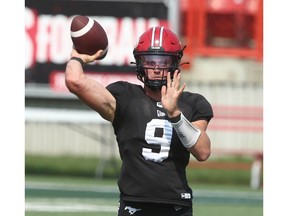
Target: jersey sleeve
(123,93)
(118,90)
(199,105)
(203,109)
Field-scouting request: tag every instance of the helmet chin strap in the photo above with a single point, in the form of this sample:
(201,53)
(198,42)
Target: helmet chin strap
(155,85)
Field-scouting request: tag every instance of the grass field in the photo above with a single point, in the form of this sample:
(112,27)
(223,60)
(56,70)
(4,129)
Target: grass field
(55,196)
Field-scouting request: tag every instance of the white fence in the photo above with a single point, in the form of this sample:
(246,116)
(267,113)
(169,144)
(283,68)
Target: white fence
(68,132)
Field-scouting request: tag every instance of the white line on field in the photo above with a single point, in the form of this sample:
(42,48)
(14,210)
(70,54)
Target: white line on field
(46,207)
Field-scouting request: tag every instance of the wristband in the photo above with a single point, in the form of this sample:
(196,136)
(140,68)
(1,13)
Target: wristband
(187,133)
(78,59)
(175,119)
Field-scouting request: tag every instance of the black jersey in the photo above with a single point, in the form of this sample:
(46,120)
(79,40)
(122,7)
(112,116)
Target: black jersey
(154,160)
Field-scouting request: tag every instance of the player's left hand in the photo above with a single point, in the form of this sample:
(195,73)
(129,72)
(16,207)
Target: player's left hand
(171,93)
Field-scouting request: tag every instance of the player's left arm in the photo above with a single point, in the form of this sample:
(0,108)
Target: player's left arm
(192,134)
(201,150)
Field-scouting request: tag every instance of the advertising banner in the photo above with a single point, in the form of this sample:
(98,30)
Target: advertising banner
(48,43)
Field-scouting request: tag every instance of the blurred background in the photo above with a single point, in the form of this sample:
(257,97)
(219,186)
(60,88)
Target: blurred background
(224,40)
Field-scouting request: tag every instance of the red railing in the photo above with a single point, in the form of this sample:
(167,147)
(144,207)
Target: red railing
(225,28)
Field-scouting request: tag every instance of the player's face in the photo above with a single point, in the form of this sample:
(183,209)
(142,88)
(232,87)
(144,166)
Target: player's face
(156,66)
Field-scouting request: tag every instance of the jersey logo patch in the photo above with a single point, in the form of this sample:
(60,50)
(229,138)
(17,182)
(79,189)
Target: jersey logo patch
(160,113)
(131,210)
(185,196)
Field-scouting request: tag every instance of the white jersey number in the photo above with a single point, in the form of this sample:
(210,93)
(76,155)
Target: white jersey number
(158,132)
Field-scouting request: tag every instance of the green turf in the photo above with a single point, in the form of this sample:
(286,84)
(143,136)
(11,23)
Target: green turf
(88,167)
(91,194)
(227,210)
(69,214)
(200,210)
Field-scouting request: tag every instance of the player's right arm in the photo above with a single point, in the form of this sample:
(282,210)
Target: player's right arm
(91,92)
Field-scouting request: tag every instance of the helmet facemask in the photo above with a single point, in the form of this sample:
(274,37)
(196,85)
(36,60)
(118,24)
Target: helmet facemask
(162,61)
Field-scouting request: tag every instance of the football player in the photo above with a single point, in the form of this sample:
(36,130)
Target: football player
(157,126)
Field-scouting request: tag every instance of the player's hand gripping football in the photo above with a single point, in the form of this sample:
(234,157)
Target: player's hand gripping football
(171,93)
(86,58)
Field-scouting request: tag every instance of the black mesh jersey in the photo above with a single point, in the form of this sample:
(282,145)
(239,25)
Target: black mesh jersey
(154,160)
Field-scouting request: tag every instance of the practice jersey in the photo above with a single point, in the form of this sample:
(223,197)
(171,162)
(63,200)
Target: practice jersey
(153,157)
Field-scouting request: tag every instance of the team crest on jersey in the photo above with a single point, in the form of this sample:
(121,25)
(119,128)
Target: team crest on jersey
(160,113)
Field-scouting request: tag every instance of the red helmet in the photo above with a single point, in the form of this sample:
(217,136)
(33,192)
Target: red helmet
(157,43)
